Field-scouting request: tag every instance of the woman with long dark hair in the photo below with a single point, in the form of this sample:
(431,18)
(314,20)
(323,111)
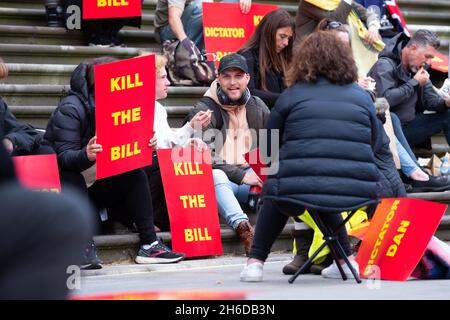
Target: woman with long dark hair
(328,133)
(268,53)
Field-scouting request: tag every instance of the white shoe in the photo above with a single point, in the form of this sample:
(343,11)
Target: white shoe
(332,271)
(252,272)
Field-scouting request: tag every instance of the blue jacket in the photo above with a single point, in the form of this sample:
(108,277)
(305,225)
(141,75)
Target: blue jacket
(328,136)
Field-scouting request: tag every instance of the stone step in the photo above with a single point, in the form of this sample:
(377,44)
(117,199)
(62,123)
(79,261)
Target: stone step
(117,248)
(35,16)
(60,54)
(123,247)
(60,36)
(49,95)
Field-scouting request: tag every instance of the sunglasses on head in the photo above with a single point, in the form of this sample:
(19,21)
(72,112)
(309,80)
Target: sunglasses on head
(334,25)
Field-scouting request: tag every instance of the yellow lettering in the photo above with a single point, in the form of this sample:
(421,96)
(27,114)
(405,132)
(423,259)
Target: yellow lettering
(257,20)
(115,153)
(126,116)
(201,201)
(391,250)
(115,84)
(125,151)
(112,3)
(177,168)
(184,198)
(403,225)
(188,235)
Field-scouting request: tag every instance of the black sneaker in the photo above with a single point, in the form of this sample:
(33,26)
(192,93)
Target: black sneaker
(90,259)
(435,184)
(158,253)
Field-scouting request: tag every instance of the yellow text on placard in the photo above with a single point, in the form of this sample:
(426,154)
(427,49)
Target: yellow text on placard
(187,169)
(193,201)
(125,151)
(126,116)
(112,3)
(125,82)
(196,234)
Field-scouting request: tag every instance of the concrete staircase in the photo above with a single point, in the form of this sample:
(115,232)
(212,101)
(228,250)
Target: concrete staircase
(40,60)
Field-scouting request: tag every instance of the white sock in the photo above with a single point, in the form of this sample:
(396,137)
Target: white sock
(148,246)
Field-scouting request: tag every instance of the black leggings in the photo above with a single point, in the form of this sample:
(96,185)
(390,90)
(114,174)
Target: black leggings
(127,193)
(272,219)
(160,213)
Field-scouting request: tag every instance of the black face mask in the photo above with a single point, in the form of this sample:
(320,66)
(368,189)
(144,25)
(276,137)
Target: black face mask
(225,100)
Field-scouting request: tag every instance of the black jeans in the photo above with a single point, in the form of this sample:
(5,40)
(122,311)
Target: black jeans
(127,193)
(272,219)
(160,213)
(41,234)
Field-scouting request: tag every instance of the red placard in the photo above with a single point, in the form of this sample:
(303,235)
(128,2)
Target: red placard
(105,9)
(38,172)
(397,237)
(191,201)
(225,36)
(253,159)
(124,111)
(439,62)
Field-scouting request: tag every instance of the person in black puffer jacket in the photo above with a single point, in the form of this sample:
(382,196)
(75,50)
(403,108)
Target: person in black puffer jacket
(71,132)
(328,133)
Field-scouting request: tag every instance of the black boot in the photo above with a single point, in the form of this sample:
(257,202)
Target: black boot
(55,13)
(303,241)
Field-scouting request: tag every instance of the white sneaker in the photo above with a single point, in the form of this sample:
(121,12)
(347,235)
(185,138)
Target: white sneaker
(332,271)
(252,272)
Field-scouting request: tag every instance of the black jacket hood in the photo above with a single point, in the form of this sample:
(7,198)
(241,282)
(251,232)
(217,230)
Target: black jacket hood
(394,46)
(79,86)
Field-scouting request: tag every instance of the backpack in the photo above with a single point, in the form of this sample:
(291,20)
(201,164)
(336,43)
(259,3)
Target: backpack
(188,68)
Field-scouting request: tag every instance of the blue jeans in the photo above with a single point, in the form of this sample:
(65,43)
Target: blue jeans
(424,126)
(192,19)
(229,195)
(408,165)
(398,131)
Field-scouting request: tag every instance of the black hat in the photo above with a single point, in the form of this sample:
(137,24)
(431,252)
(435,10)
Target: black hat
(233,60)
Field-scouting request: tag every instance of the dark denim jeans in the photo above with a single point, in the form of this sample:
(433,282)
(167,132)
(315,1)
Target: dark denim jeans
(426,125)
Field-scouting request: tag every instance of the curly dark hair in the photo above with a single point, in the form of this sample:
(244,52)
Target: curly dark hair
(322,54)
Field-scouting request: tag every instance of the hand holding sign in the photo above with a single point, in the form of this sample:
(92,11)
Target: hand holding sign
(252,179)
(93,148)
(245,5)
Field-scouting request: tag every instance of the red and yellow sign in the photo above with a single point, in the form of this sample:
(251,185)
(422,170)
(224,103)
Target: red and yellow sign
(225,36)
(124,112)
(397,237)
(38,172)
(440,62)
(105,9)
(253,159)
(191,201)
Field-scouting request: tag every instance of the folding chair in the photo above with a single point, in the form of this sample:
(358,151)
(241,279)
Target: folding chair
(331,240)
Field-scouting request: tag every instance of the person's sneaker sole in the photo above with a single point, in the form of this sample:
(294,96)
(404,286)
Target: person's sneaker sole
(251,279)
(425,189)
(152,260)
(91,267)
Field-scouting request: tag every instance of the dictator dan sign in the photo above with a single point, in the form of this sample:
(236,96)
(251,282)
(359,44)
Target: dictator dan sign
(397,237)
(225,36)
(191,201)
(39,172)
(124,112)
(105,9)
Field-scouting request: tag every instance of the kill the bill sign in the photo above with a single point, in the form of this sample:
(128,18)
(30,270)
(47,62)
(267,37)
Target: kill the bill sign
(125,107)
(106,9)
(191,201)
(225,36)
